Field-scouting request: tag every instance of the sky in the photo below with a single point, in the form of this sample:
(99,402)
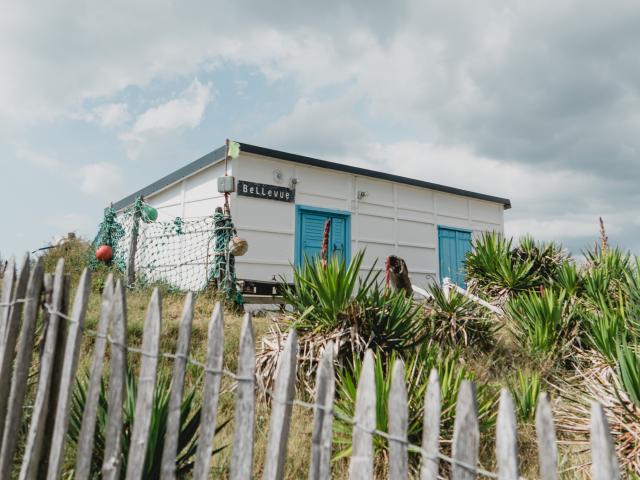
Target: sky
(538,102)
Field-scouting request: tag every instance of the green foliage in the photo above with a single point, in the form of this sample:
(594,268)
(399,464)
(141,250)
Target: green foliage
(628,371)
(458,320)
(567,277)
(322,296)
(189,423)
(540,322)
(603,331)
(525,390)
(546,257)
(491,265)
(418,365)
(388,320)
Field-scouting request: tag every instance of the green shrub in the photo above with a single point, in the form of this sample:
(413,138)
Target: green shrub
(386,320)
(418,365)
(189,423)
(603,330)
(456,320)
(539,323)
(525,390)
(628,371)
(322,296)
(567,277)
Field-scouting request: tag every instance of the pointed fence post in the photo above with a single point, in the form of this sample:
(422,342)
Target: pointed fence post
(361,466)
(89,416)
(398,421)
(320,468)
(21,369)
(5,301)
(170,449)
(242,450)
(10,340)
(68,375)
(466,434)
(506,439)
(112,461)
(146,388)
(603,455)
(212,376)
(546,433)
(431,429)
(281,407)
(33,449)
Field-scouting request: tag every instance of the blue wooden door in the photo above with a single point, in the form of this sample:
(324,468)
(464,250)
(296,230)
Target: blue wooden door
(453,245)
(310,229)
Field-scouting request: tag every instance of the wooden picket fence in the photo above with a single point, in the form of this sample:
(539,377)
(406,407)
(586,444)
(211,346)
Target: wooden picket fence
(25,292)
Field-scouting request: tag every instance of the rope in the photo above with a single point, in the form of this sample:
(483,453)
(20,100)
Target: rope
(268,392)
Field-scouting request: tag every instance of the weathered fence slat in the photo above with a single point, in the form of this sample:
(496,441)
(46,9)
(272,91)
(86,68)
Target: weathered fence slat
(321,439)
(170,449)
(68,375)
(285,386)
(398,422)
(112,462)
(10,340)
(7,291)
(546,433)
(604,464)
(21,369)
(32,454)
(146,388)
(242,454)
(89,416)
(506,439)
(361,466)
(466,433)
(431,429)
(212,377)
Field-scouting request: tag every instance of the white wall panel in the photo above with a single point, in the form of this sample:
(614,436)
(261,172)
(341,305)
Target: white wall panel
(416,232)
(414,198)
(374,228)
(321,181)
(202,208)
(485,211)
(170,196)
(321,201)
(204,184)
(451,205)
(378,192)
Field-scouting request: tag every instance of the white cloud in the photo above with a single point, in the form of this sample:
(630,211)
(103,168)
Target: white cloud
(104,180)
(185,111)
(110,114)
(38,159)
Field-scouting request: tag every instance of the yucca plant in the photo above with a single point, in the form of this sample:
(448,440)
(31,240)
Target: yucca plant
(628,371)
(546,257)
(457,320)
(386,320)
(321,295)
(540,323)
(189,424)
(418,365)
(567,277)
(525,390)
(604,328)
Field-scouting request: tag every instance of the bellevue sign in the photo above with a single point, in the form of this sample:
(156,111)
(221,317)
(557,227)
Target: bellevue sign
(269,192)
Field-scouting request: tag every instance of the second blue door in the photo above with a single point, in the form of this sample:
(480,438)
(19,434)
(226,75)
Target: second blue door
(453,245)
(310,229)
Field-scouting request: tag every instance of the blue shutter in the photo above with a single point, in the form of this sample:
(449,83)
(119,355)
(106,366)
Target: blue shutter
(312,230)
(338,238)
(453,246)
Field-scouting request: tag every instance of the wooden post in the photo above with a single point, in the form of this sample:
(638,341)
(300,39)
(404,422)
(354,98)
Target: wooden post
(170,449)
(546,433)
(361,466)
(68,375)
(242,450)
(281,410)
(146,389)
(320,468)
(604,464)
(398,422)
(506,439)
(21,369)
(33,449)
(133,242)
(89,416)
(212,376)
(466,434)
(117,384)
(431,428)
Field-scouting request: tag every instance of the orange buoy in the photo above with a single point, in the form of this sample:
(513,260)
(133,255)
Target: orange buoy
(104,253)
